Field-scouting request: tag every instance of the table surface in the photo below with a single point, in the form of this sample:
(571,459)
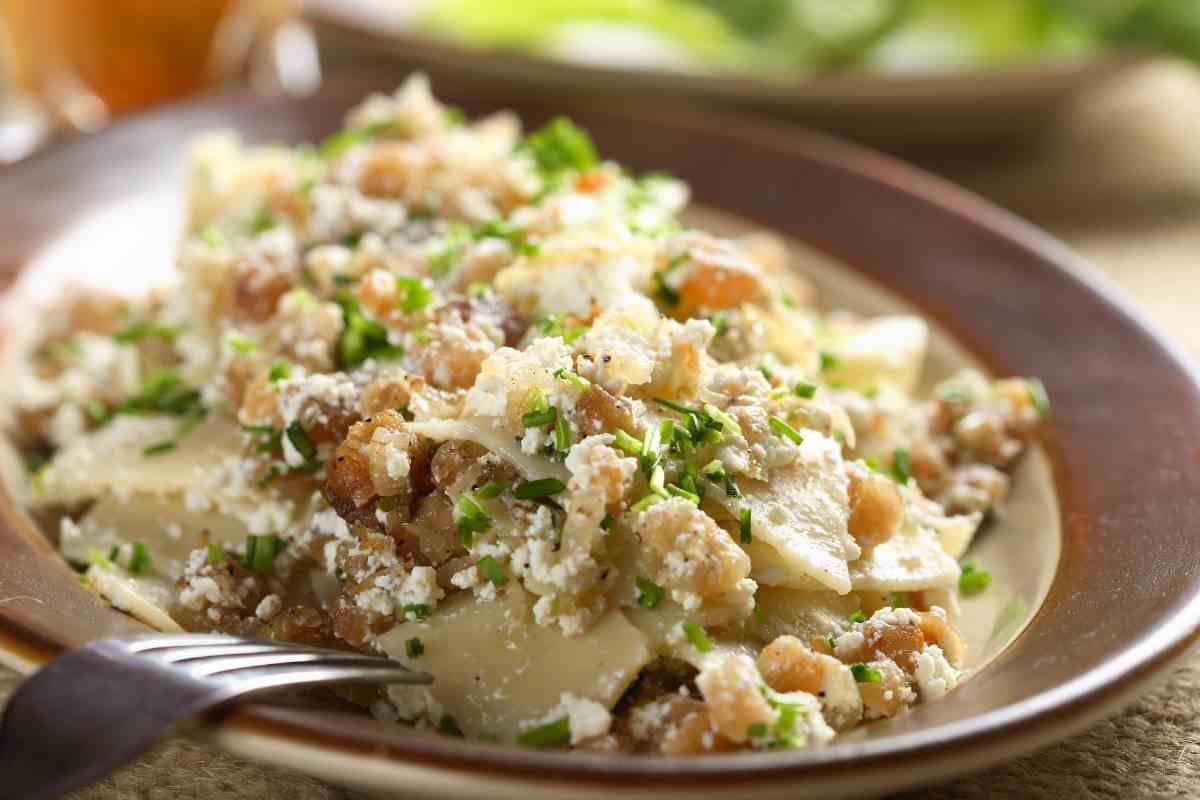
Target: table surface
(1117,178)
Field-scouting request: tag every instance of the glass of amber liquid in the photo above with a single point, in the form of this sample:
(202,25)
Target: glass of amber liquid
(80,62)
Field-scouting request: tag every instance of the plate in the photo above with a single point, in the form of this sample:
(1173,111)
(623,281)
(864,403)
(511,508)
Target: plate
(961,107)
(1113,487)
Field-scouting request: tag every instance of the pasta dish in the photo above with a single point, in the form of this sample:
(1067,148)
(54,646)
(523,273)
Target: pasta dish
(477,399)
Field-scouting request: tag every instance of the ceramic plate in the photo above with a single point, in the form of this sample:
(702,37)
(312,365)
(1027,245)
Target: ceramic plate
(1097,582)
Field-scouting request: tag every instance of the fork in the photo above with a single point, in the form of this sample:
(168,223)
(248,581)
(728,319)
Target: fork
(100,706)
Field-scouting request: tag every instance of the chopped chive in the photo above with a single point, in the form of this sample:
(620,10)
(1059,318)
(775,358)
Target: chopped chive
(572,377)
(114,553)
(873,464)
(216,554)
(146,329)
(1038,396)
(262,221)
(261,552)
(766,371)
(211,236)
(472,519)
(414,648)
(828,361)
(727,422)
(492,571)
(562,434)
(898,600)
(858,616)
(901,466)
(412,294)
(785,430)
(745,518)
(241,344)
(627,443)
(559,146)
(663,292)
(720,322)
(649,593)
(301,441)
(552,734)
(540,417)
(864,674)
(646,502)
(491,489)
(544,487)
(418,610)
(697,636)
(448,726)
(756,730)
(280,371)
(139,559)
(973,580)
(607,523)
(158,448)
(804,389)
(677,491)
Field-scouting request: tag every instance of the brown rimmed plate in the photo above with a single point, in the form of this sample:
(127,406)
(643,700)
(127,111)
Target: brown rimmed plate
(1122,457)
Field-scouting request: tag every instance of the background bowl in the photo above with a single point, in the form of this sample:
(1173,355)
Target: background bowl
(1121,606)
(906,111)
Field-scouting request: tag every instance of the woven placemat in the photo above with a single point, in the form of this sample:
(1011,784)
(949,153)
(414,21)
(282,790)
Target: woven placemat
(1118,178)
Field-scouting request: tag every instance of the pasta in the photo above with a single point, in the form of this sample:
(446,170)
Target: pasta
(479,401)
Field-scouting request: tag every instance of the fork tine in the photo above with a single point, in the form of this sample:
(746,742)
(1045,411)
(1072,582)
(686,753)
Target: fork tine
(229,664)
(148,644)
(179,655)
(257,679)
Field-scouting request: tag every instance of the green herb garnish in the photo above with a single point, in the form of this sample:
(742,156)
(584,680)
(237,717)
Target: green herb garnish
(158,448)
(412,294)
(745,517)
(697,636)
(649,593)
(414,648)
(492,571)
(552,734)
(491,489)
(560,146)
(901,466)
(864,674)
(785,430)
(418,610)
(543,487)
(472,519)
(280,371)
(139,559)
(301,441)
(973,580)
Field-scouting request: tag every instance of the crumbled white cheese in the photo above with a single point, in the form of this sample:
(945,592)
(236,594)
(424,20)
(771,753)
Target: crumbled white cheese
(935,677)
(269,607)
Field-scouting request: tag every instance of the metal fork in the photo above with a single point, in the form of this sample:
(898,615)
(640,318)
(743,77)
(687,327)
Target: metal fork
(100,706)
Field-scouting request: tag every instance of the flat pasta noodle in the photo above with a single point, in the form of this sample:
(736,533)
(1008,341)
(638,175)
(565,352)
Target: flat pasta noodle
(799,519)
(112,459)
(494,672)
(160,522)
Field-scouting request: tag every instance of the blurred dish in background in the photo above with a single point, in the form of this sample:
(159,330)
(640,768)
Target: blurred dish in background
(884,71)
(76,63)
(783,38)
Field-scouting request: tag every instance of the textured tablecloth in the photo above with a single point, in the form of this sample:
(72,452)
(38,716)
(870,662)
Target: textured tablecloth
(1118,178)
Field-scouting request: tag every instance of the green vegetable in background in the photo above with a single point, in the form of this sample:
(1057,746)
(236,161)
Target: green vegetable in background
(787,36)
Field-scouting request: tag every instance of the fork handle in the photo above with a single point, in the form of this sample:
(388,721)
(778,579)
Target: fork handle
(58,735)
